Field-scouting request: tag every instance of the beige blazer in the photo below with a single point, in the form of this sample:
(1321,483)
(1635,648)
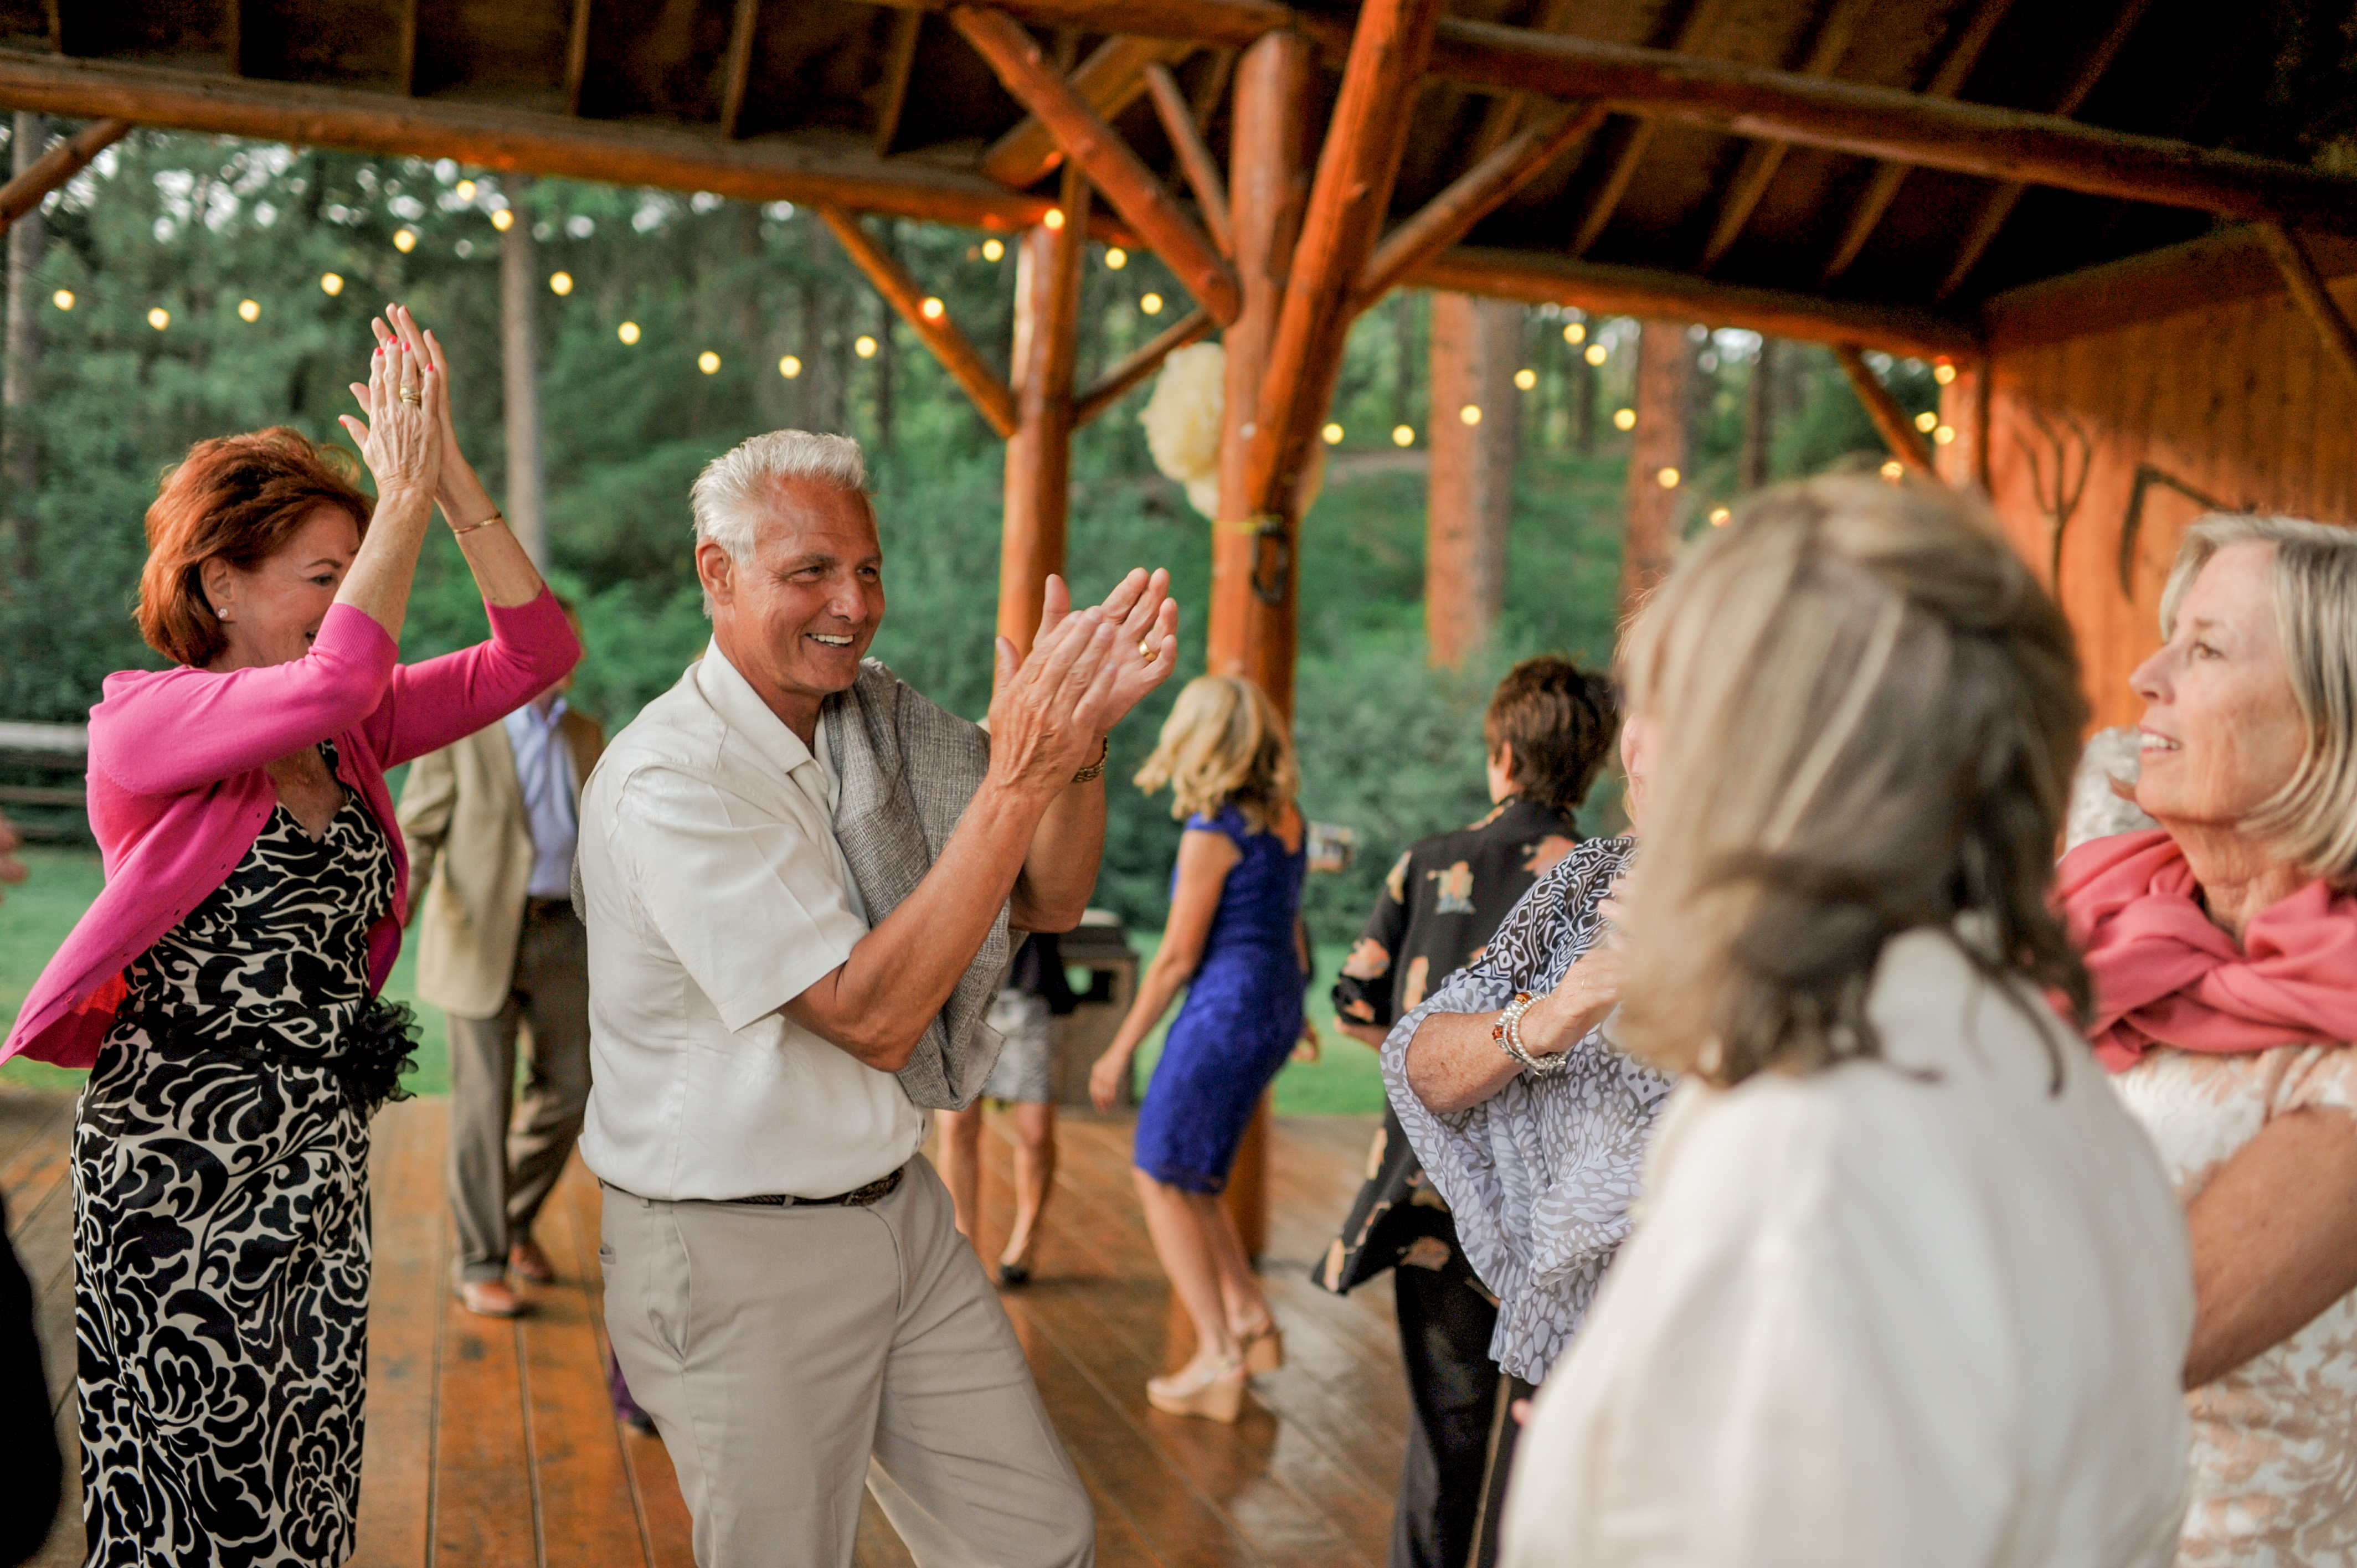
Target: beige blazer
(469,843)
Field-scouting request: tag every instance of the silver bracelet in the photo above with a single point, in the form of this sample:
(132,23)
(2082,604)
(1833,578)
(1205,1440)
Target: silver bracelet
(1508,1034)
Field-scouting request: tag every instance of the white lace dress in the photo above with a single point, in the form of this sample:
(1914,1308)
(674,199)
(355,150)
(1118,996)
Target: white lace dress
(2275,1441)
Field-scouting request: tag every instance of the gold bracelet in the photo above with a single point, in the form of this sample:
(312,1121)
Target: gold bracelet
(1104,749)
(456,531)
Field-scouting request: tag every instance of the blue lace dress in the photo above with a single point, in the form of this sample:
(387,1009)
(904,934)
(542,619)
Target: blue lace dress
(1241,1016)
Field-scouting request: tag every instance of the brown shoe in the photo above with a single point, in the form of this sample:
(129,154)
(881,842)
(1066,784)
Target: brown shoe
(531,1263)
(489,1298)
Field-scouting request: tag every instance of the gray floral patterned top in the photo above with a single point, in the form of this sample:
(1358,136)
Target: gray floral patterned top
(1540,1176)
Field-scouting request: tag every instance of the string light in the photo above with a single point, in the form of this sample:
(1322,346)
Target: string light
(932,309)
(1668,479)
(992,249)
(63,299)
(707,361)
(1943,373)
(1470,414)
(1923,422)
(628,331)
(560,282)
(1718,516)
(1151,305)
(1577,332)
(1894,470)
(1116,258)
(1943,433)
(404,240)
(1526,378)
(332,283)
(1596,354)
(502,219)
(865,346)
(249,310)
(464,190)
(160,318)
(789,366)
(1055,219)
(1402,436)
(1624,419)
(1333,435)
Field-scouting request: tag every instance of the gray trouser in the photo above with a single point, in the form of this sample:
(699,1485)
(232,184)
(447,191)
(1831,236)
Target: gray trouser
(499,1176)
(790,1356)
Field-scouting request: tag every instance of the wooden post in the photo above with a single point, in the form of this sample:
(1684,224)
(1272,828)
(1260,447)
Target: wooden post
(1664,374)
(520,360)
(1039,454)
(1476,345)
(20,453)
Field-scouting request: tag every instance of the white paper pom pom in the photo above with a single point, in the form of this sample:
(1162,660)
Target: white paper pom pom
(1182,421)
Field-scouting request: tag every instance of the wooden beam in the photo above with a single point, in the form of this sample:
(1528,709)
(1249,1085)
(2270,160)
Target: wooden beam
(1139,364)
(764,168)
(1040,449)
(408,67)
(741,30)
(1755,170)
(1348,199)
(1606,290)
(1899,433)
(2002,201)
(1472,196)
(1103,156)
(899,65)
(576,57)
(1210,86)
(2307,290)
(1882,185)
(940,333)
(1177,117)
(1108,81)
(1231,24)
(56,165)
(1700,18)
(2230,264)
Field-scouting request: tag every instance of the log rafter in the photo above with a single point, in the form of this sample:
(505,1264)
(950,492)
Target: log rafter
(1202,171)
(1700,20)
(1099,152)
(1905,443)
(56,165)
(2300,275)
(742,28)
(1108,81)
(936,329)
(1755,170)
(1140,363)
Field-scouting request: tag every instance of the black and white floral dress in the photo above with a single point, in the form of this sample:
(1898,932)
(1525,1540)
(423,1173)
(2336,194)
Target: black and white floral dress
(221,1216)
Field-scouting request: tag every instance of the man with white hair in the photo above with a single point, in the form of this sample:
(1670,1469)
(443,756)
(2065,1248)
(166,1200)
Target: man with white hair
(798,877)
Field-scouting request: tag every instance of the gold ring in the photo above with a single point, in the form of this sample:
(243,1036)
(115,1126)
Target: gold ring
(413,399)
(1145,649)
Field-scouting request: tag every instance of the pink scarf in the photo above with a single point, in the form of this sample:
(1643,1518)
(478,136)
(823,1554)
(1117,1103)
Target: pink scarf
(2165,976)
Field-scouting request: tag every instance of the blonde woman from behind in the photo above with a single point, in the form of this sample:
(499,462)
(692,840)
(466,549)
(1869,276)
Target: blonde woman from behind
(1907,1284)
(1235,943)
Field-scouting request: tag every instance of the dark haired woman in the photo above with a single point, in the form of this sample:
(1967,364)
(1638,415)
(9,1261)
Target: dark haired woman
(1548,730)
(222,987)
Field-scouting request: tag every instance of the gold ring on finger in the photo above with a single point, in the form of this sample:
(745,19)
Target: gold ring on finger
(1145,649)
(411,398)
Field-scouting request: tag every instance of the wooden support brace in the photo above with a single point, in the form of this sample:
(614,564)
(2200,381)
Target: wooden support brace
(927,319)
(61,164)
(1108,81)
(1140,364)
(1177,117)
(1472,196)
(899,65)
(739,65)
(1103,156)
(1897,433)
(2307,288)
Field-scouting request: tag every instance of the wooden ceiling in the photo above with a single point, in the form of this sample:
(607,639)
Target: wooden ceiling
(888,108)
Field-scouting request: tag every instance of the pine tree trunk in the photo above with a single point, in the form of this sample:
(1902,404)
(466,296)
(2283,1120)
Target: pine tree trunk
(20,451)
(519,364)
(1758,420)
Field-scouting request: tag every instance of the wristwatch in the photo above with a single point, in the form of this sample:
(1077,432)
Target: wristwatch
(1104,749)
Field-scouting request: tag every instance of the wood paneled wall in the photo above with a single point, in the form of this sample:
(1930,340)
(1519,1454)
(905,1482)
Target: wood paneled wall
(2099,449)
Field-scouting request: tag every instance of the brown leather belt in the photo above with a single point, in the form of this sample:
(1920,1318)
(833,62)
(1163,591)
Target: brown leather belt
(875,1191)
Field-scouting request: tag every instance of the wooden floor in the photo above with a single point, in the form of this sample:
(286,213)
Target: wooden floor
(490,1444)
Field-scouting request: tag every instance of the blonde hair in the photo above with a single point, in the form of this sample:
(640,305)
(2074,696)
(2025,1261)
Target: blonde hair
(2312,820)
(1864,714)
(1224,741)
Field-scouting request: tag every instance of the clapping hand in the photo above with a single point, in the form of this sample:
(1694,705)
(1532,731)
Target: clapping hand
(407,404)
(1145,649)
(463,501)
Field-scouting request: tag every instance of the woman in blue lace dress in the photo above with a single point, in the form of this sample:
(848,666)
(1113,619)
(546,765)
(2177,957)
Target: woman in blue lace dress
(1235,943)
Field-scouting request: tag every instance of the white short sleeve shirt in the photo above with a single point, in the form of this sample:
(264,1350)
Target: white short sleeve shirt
(716,893)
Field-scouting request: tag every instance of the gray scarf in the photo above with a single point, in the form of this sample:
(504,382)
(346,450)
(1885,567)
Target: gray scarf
(908,769)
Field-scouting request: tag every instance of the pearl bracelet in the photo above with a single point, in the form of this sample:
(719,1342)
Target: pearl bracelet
(1507,1032)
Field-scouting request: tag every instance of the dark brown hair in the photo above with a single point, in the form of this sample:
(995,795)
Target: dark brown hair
(240,499)
(1561,722)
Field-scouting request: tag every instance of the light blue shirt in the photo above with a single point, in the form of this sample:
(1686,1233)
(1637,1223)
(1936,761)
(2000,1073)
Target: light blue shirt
(544,767)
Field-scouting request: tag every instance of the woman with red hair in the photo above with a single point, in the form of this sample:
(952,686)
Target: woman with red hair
(224,987)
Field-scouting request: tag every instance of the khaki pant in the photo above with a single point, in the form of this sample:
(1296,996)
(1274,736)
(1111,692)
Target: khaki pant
(790,1356)
(500,1177)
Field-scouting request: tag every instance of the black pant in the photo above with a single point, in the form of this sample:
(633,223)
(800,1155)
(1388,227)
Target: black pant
(29,1443)
(1453,1483)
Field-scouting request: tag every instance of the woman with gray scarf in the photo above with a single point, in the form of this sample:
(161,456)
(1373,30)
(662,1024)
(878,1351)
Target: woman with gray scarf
(1531,1124)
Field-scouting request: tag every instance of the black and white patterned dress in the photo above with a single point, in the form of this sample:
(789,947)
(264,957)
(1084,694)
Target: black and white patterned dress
(221,1217)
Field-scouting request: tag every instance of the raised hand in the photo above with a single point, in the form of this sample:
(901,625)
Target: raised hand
(405,401)
(1044,716)
(1147,650)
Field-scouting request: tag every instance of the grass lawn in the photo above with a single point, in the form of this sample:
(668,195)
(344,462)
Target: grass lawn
(37,915)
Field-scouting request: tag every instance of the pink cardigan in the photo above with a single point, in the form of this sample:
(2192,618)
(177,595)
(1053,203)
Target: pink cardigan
(178,793)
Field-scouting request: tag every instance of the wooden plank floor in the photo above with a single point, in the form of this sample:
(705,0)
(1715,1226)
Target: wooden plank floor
(492,1444)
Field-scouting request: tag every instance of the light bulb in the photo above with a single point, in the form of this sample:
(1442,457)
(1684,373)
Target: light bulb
(1667,479)
(1943,433)
(1624,419)
(404,240)
(1526,378)
(992,249)
(1943,373)
(1116,258)
(560,282)
(1595,355)
(249,310)
(1923,422)
(707,361)
(628,331)
(1894,470)
(1402,436)
(464,190)
(1577,332)
(63,299)
(1151,305)
(160,318)
(865,346)
(1470,414)
(502,219)
(789,366)
(332,283)
(1718,516)
(932,309)
(1333,435)
(1055,219)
